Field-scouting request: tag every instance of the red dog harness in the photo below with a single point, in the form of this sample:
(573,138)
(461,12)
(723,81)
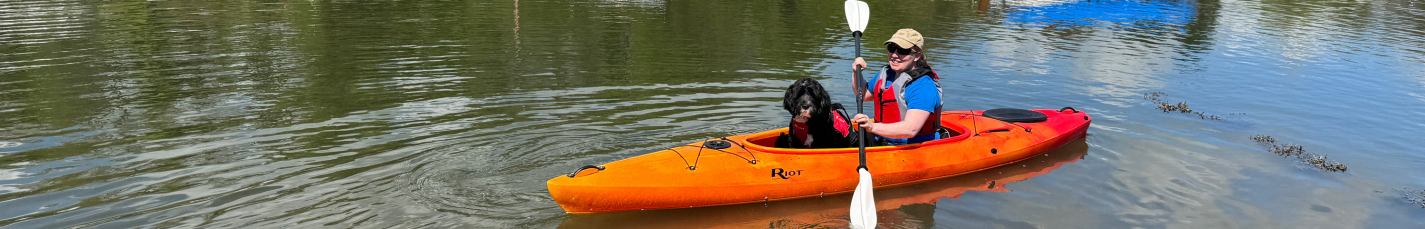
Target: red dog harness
(841,125)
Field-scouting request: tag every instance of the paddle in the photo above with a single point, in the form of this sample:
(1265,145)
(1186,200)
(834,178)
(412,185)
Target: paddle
(863,203)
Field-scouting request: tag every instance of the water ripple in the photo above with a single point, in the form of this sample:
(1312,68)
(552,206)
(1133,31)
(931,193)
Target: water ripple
(454,114)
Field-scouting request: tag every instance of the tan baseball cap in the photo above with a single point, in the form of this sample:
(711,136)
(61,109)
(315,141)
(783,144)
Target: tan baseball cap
(907,38)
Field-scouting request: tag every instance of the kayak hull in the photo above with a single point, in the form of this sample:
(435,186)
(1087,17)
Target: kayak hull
(750,170)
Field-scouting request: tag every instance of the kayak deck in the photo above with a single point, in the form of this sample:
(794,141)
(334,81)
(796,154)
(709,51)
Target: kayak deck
(746,169)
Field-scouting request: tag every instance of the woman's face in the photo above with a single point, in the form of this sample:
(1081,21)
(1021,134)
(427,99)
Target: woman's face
(901,60)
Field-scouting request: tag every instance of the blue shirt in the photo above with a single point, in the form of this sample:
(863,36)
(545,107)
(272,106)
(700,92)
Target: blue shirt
(920,95)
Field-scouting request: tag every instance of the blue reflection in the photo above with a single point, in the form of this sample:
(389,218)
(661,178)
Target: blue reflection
(1137,14)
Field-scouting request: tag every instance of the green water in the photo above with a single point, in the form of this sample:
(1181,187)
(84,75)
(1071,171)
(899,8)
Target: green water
(436,114)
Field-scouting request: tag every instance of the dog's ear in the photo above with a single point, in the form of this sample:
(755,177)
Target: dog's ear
(789,100)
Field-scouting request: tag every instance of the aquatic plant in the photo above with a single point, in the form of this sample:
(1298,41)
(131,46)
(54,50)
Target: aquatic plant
(1180,107)
(1264,139)
(1299,152)
(1415,196)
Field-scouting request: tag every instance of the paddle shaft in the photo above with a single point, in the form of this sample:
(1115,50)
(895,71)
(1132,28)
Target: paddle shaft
(861,83)
(863,203)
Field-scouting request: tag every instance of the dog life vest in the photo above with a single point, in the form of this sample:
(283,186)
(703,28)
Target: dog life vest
(838,122)
(891,105)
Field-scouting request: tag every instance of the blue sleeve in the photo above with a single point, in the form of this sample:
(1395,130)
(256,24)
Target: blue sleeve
(922,95)
(871,82)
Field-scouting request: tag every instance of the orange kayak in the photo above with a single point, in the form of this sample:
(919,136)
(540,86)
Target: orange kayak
(747,169)
(823,212)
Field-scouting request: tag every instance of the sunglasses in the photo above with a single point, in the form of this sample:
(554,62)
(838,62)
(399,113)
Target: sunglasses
(898,50)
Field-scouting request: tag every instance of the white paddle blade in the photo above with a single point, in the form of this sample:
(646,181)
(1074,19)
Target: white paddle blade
(863,203)
(865,17)
(857,14)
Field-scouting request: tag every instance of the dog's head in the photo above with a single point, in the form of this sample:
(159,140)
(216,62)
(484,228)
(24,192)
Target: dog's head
(806,99)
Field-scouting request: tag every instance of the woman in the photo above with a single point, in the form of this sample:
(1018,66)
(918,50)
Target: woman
(907,101)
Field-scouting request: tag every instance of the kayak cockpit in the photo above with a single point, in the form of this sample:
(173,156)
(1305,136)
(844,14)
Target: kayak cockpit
(951,131)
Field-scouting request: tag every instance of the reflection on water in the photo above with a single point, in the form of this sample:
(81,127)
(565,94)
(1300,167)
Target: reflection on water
(910,206)
(1126,14)
(454,114)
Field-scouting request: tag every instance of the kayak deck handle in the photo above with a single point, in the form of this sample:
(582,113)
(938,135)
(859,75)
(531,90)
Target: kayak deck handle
(1061,110)
(581,169)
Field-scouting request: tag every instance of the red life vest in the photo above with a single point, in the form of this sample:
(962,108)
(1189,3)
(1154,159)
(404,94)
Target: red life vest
(890,104)
(838,122)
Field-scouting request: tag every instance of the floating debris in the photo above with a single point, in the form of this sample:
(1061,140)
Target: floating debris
(1153,95)
(1180,107)
(1264,139)
(1299,152)
(1287,150)
(1321,162)
(1413,196)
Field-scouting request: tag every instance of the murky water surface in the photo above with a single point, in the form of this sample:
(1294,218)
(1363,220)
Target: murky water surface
(435,114)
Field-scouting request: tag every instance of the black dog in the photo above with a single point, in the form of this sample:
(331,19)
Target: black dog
(816,121)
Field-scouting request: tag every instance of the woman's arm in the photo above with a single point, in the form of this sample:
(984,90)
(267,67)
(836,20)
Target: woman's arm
(906,128)
(857,87)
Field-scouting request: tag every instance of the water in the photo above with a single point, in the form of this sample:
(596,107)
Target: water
(454,114)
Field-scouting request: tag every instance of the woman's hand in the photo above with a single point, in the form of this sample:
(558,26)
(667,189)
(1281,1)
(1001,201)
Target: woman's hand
(858,64)
(863,121)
